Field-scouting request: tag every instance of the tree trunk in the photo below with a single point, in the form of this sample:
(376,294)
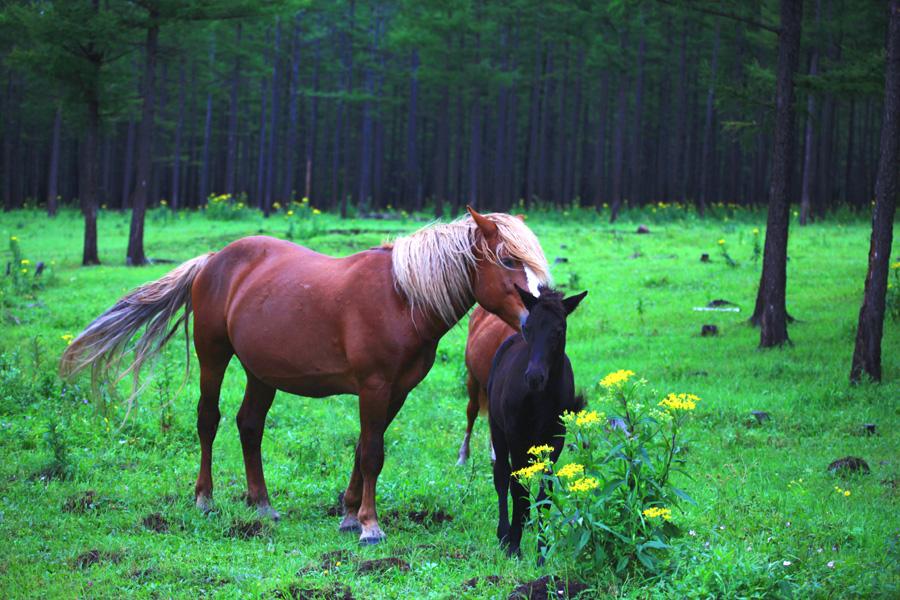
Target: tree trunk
(231,152)
(411,197)
(88,183)
(135,255)
(810,142)
(706,164)
(261,156)
(599,176)
(207,129)
(273,127)
(867,352)
(313,124)
(771,310)
(290,146)
(533,121)
(678,144)
(618,153)
(53,169)
(636,162)
(176,155)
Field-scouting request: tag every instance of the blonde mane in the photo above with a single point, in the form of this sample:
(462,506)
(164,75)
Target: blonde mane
(433,267)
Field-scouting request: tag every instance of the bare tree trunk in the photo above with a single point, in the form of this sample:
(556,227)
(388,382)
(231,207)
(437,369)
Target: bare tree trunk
(313,124)
(706,164)
(135,255)
(867,352)
(599,175)
(261,157)
(411,191)
(176,155)
(88,183)
(636,162)
(290,147)
(207,128)
(232,151)
(771,310)
(533,121)
(618,154)
(53,169)
(273,127)
(809,143)
(678,145)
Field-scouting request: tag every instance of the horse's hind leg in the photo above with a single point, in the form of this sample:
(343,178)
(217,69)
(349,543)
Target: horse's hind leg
(251,419)
(474,390)
(214,358)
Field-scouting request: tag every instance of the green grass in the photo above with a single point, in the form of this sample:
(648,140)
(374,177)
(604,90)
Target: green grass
(763,495)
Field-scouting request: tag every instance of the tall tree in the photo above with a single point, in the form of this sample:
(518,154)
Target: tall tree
(771,309)
(867,352)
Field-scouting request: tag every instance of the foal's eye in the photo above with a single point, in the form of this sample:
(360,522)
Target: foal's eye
(509,263)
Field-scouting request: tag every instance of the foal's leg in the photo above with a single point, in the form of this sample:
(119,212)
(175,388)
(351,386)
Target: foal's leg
(474,389)
(501,486)
(251,419)
(214,358)
(520,500)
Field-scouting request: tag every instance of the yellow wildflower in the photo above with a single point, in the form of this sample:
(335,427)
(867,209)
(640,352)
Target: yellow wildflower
(585,484)
(896,265)
(721,241)
(654,512)
(13,238)
(586,418)
(526,473)
(25,261)
(756,231)
(163,203)
(846,492)
(538,450)
(24,271)
(305,200)
(67,338)
(680,401)
(571,470)
(316,211)
(614,379)
(290,213)
(276,205)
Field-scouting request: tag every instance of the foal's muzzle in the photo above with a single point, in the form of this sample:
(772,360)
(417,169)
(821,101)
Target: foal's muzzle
(536,379)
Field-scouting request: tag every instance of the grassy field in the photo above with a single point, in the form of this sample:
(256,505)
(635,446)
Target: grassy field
(92,509)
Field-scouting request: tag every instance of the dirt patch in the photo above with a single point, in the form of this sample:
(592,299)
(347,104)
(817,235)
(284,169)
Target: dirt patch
(244,530)
(81,503)
(336,509)
(546,587)
(489,580)
(425,517)
(156,522)
(380,565)
(93,557)
(334,592)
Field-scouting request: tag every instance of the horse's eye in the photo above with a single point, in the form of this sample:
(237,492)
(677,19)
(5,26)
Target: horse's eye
(509,263)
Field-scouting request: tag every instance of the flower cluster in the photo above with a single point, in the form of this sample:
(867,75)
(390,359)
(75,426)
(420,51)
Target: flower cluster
(655,512)
(680,401)
(542,449)
(616,378)
(585,484)
(842,491)
(571,470)
(526,473)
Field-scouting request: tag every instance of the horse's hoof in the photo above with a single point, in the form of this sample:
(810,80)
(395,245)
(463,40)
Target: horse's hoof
(462,461)
(267,512)
(371,536)
(350,524)
(204,503)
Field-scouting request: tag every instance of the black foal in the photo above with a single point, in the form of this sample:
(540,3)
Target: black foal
(530,386)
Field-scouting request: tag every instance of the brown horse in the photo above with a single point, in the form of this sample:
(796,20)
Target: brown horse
(313,325)
(486,333)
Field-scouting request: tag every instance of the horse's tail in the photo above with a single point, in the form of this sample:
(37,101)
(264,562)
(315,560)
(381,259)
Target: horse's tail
(104,343)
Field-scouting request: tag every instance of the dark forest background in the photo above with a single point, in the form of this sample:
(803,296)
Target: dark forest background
(432,104)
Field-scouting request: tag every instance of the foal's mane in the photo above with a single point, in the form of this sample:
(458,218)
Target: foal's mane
(433,266)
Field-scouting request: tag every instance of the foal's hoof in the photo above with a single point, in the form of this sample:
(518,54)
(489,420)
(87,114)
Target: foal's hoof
(371,536)
(462,461)
(265,511)
(350,524)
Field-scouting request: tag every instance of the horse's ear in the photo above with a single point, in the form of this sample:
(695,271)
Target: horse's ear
(527,298)
(488,228)
(572,302)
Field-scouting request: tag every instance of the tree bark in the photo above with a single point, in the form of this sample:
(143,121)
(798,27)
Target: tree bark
(618,153)
(176,154)
(867,351)
(810,142)
(290,146)
(207,128)
(411,188)
(53,169)
(273,126)
(771,308)
(232,150)
(135,255)
(706,165)
(88,182)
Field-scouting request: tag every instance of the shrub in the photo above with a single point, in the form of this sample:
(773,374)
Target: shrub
(612,504)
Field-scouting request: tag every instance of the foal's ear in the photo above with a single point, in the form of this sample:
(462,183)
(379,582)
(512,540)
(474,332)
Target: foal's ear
(488,228)
(572,302)
(527,298)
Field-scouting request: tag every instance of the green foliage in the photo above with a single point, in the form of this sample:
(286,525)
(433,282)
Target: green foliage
(892,308)
(223,207)
(612,503)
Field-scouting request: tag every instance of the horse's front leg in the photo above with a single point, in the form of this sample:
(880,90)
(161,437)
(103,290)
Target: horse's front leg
(377,408)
